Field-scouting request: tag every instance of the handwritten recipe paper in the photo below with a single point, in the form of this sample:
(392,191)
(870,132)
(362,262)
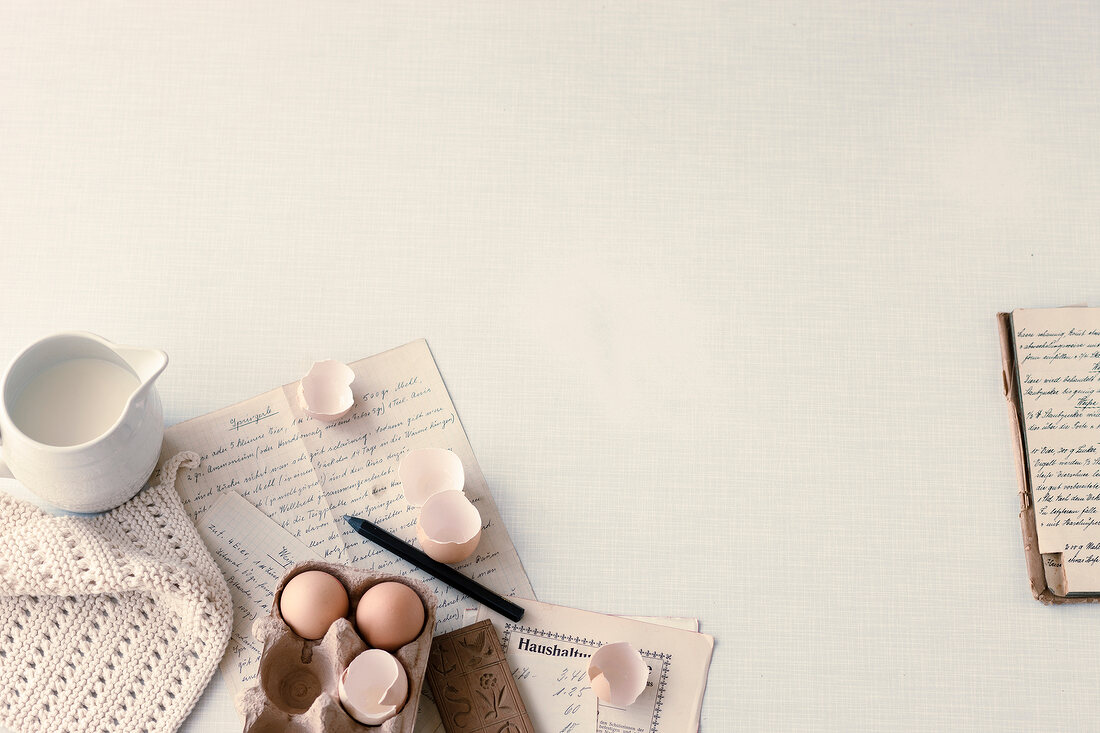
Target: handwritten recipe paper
(548,652)
(253,553)
(1058,362)
(305,475)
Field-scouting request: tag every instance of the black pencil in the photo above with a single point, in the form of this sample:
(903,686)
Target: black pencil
(436,569)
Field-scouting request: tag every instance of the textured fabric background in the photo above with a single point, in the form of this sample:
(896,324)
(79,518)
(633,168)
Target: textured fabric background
(712,286)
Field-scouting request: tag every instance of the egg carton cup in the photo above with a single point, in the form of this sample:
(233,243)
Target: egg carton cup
(298,690)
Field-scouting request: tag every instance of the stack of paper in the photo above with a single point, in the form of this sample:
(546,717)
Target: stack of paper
(272,490)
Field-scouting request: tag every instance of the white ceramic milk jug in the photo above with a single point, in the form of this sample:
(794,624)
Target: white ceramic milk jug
(80,421)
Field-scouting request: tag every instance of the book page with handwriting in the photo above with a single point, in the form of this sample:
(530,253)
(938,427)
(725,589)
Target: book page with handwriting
(548,652)
(1058,362)
(254,448)
(402,404)
(306,474)
(253,553)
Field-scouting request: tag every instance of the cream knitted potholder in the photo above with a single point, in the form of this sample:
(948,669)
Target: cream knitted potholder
(112,623)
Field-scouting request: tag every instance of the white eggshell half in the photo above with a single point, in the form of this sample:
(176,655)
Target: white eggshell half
(374,686)
(617,673)
(449,527)
(325,393)
(427,471)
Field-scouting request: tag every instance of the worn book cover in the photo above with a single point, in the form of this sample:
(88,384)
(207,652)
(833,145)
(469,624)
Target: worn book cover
(1046,572)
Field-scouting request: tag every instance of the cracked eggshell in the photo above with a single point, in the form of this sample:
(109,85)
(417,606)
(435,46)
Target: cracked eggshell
(449,527)
(427,471)
(325,393)
(374,687)
(617,673)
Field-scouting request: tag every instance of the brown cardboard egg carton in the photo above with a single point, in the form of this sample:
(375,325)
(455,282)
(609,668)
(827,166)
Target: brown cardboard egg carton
(299,679)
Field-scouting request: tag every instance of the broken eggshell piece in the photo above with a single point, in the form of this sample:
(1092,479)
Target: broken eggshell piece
(374,686)
(617,673)
(427,471)
(325,393)
(449,527)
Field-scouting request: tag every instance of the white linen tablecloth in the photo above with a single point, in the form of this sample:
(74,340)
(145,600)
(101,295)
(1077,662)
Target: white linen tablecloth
(712,286)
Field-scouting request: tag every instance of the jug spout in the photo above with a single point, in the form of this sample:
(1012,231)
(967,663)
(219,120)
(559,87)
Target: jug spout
(146,363)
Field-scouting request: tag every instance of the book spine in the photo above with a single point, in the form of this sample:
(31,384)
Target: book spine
(1036,572)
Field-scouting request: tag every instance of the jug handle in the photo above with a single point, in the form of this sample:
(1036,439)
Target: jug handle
(4,472)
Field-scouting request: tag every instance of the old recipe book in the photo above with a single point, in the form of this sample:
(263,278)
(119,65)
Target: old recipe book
(1051,376)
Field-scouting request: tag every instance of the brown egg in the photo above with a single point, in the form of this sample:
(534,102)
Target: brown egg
(311,602)
(390,615)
